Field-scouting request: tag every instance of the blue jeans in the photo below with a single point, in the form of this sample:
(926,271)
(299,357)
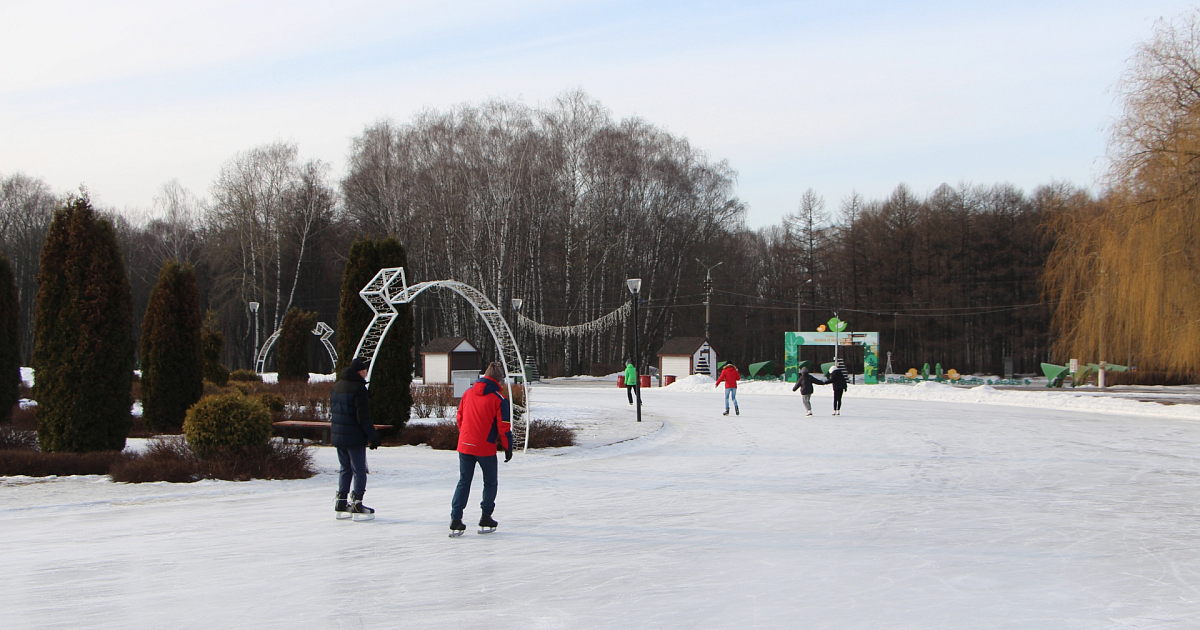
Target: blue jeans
(354,466)
(730,392)
(466,472)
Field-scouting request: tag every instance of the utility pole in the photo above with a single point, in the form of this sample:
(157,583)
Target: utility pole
(708,287)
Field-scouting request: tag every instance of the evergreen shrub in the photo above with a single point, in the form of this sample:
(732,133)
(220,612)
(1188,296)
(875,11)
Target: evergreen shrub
(245,376)
(172,363)
(83,334)
(10,342)
(272,401)
(212,343)
(227,423)
(292,347)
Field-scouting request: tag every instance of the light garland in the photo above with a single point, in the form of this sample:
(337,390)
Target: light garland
(587,328)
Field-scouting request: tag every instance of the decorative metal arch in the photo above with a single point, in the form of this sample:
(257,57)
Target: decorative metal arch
(322,329)
(390,287)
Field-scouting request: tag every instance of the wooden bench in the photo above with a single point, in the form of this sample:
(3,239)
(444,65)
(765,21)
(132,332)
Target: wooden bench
(325,429)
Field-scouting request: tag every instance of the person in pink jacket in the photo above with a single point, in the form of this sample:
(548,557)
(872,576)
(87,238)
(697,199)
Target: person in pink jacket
(729,376)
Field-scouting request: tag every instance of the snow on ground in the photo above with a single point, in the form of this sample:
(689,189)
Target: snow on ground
(273,377)
(901,513)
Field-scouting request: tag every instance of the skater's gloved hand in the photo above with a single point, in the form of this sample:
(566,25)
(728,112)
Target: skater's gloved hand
(374,443)
(507,454)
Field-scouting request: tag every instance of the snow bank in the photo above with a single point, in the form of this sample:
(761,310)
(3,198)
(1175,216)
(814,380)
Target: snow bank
(585,378)
(693,383)
(273,377)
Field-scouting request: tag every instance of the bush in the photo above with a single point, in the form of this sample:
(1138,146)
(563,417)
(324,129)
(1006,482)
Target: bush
(83,334)
(24,418)
(245,376)
(271,400)
(291,351)
(304,401)
(165,459)
(432,400)
(549,434)
(225,422)
(444,436)
(35,464)
(17,439)
(172,363)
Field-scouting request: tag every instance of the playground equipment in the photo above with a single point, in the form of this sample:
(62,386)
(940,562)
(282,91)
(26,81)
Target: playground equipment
(1056,375)
(763,371)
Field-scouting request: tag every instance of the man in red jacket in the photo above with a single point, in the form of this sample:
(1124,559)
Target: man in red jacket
(483,429)
(729,376)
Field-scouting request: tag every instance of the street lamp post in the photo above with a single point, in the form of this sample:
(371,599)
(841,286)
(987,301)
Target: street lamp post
(708,288)
(635,287)
(254,309)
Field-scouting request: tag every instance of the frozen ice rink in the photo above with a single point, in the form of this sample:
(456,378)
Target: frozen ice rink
(902,513)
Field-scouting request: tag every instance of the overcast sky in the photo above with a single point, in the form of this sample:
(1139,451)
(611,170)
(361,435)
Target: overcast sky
(836,96)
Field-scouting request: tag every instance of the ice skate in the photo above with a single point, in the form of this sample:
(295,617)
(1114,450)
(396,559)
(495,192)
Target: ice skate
(737,411)
(457,528)
(359,511)
(341,509)
(726,413)
(808,414)
(487,524)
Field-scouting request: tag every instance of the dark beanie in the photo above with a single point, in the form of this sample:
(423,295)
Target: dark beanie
(357,365)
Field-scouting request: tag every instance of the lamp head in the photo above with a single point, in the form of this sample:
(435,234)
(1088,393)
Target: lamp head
(254,307)
(635,285)
(516,303)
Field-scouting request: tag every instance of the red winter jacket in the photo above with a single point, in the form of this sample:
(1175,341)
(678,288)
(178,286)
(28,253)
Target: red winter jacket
(483,426)
(730,377)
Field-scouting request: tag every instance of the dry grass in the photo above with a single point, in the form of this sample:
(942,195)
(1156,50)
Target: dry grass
(550,434)
(444,435)
(24,418)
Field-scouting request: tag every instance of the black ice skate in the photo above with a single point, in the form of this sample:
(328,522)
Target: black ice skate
(341,509)
(457,528)
(359,511)
(487,524)
(726,413)
(737,411)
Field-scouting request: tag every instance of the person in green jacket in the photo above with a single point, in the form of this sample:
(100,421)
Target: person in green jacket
(630,380)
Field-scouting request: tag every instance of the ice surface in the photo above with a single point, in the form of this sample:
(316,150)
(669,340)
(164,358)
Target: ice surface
(943,512)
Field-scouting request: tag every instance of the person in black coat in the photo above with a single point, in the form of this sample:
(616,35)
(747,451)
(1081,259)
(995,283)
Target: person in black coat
(837,378)
(805,384)
(353,432)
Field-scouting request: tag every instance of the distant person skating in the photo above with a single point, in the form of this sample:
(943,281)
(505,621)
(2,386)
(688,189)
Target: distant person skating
(630,380)
(804,383)
(729,376)
(837,378)
(483,429)
(353,432)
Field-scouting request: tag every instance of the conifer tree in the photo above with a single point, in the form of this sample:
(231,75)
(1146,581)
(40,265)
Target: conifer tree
(83,332)
(172,362)
(10,342)
(391,377)
(292,347)
(212,343)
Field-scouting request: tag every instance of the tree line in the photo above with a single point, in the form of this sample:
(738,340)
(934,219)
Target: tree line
(558,206)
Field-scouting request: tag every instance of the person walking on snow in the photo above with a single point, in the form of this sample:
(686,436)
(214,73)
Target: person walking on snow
(837,378)
(804,383)
(353,432)
(729,376)
(630,380)
(483,429)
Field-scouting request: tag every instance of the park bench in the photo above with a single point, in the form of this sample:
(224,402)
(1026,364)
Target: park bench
(324,428)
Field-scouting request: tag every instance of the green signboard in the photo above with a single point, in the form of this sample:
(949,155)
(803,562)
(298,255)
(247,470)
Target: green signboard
(835,337)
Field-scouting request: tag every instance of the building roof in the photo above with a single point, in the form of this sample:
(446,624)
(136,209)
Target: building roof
(681,346)
(446,345)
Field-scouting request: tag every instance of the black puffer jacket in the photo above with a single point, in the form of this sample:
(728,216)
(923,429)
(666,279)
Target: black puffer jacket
(350,407)
(805,383)
(837,378)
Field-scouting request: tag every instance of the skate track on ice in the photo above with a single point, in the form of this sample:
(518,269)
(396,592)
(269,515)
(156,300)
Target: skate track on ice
(897,514)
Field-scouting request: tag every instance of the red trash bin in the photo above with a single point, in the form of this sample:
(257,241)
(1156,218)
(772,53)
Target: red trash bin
(621,380)
(668,379)
(644,381)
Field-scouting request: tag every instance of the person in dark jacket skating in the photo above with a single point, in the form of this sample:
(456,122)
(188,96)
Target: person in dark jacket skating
(483,429)
(353,432)
(804,383)
(837,378)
